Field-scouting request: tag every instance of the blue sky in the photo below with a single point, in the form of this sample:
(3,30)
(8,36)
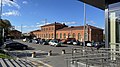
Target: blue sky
(31,14)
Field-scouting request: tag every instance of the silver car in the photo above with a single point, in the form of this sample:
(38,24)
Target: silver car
(54,43)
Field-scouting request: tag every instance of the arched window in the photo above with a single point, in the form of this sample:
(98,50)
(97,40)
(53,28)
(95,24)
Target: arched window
(57,35)
(52,35)
(60,35)
(64,35)
(79,36)
(68,35)
(73,35)
(49,35)
(44,35)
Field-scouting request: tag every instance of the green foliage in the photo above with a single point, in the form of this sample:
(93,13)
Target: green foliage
(6,25)
(4,55)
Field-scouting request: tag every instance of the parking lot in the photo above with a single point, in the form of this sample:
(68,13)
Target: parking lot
(56,59)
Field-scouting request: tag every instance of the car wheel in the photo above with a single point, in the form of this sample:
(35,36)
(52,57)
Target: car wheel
(55,45)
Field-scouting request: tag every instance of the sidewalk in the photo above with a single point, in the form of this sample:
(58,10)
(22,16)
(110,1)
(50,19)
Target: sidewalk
(55,60)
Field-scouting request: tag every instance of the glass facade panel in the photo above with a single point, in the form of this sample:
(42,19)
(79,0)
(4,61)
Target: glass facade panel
(118,26)
(114,16)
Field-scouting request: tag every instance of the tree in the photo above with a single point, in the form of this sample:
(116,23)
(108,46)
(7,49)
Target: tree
(6,25)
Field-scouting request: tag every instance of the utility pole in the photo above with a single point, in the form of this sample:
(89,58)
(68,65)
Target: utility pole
(21,29)
(84,23)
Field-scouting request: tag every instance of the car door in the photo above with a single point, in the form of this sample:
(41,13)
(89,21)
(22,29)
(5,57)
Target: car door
(11,45)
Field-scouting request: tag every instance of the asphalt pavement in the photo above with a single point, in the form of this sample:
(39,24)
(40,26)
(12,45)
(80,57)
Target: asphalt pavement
(57,59)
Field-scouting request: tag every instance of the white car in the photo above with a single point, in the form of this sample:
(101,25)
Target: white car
(24,40)
(89,44)
(54,43)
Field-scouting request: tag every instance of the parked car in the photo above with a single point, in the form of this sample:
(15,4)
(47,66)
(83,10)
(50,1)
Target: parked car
(36,41)
(98,45)
(44,42)
(15,45)
(89,44)
(95,44)
(70,40)
(24,40)
(63,41)
(30,40)
(54,43)
(76,42)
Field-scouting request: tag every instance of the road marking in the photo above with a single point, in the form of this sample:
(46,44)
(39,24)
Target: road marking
(3,63)
(45,64)
(15,63)
(9,63)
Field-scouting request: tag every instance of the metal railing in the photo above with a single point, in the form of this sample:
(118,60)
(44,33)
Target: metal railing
(91,57)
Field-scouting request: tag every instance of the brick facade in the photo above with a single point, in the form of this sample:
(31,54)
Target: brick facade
(15,34)
(63,32)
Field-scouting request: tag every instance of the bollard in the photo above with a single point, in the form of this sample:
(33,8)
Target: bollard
(33,54)
(50,53)
(83,52)
(75,51)
(63,51)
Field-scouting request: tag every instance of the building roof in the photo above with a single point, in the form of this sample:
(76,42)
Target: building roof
(52,24)
(99,3)
(71,28)
(15,31)
(36,31)
(78,28)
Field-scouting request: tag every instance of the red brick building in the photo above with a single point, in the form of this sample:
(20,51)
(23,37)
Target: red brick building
(61,31)
(15,34)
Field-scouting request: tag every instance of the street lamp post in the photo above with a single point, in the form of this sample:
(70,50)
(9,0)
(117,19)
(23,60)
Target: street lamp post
(84,23)
(2,29)
(1,9)
(84,29)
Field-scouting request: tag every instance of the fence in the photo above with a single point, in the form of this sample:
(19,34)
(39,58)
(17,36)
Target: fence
(91,57)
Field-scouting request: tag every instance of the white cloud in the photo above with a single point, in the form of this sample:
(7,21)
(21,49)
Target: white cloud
(48,23)
(69,23)
(11,13)
(25,2)
(37,23)
(91,22)
(10,3)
